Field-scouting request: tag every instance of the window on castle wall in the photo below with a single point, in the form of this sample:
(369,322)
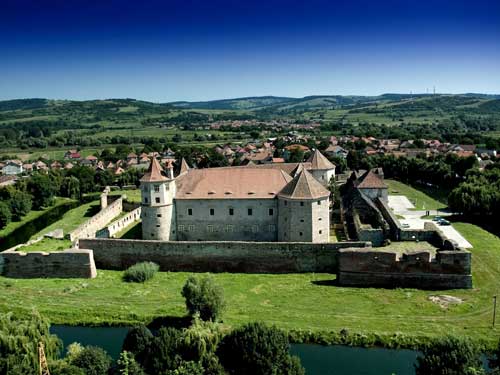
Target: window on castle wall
(301,203)
(145,200)
(231,211)
(157,188)
(191,228)
(190,211)
(158,215)
(320,232)
(250,212)
(157,199)
(301,220)
(319,203)
(157,225)
(212,212)
(152,234)
(286,203)
(271,212)
(300,233)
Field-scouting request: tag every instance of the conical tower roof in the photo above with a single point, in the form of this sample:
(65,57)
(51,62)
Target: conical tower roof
(319,161)
(304,186)
(153,173)
(184,166)
(299,168)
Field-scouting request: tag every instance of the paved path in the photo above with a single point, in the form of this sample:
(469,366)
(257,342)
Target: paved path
(402,206)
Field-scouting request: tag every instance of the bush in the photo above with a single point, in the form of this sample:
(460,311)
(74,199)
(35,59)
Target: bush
(257,349)
(93,361)
(450,356)
(127,364)
(140,272)
(203,297)
(62,367)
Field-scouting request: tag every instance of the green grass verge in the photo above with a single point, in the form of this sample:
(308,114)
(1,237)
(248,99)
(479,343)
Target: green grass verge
(304,302)
(420,196)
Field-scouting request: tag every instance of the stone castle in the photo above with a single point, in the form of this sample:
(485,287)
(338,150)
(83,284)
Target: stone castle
(285,202)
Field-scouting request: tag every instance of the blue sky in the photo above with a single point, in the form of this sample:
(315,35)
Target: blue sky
(199,50)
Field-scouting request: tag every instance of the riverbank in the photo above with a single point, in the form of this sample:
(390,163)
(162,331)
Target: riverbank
(308,305)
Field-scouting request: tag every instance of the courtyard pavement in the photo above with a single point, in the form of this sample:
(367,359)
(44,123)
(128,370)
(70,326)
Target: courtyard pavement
(402,206)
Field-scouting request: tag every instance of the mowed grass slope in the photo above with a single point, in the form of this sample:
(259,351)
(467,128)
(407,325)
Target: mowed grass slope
(293,301)
(420,197)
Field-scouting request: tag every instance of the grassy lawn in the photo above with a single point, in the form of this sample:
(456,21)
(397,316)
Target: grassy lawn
(47,244)
(419,196)
(73,218)
(32,215)
(292,301)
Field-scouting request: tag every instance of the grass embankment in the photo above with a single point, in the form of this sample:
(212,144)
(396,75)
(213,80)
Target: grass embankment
(32,215)
(73,218)
(48,245)
(306,302)
(423,198)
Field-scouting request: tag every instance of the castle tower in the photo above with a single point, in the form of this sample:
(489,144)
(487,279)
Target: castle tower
(321,168)
(304,210)
(157,203)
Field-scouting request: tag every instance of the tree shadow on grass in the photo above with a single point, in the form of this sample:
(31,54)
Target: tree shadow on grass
(92,210)
(332,282)
(178,322)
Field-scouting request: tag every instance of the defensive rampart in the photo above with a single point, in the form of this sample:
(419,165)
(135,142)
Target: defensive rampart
(72,263)
(120,224)
(211,256)
(96,222)
(370,267)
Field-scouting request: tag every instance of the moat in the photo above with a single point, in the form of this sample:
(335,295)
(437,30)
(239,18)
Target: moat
(316,359)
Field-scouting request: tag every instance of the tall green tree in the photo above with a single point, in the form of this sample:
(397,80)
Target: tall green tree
(42,189)
(450,356)
(204,297)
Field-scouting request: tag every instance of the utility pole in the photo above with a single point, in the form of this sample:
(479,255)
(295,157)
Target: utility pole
(494,309)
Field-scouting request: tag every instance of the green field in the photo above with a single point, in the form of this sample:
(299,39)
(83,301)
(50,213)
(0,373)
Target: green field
(47,244)
(293,301)
(419,196)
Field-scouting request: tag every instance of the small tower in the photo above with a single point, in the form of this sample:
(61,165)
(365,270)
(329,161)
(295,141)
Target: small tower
(321,168)
(157,203)
(304,210)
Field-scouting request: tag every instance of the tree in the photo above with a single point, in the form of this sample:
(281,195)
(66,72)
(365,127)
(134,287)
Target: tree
(256,349)
(42,189)
(137,341)
(62,367)
(450,356)
(163,351)
(20,204)
(93,360)
(203,297)
(127,365)
(70,187)
(5,214)
(19,339)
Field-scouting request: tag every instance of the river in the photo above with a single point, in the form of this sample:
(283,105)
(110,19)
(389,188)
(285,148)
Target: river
(317,359)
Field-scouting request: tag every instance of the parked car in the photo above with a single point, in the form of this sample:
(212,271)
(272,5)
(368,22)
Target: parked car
(444,222)
(437,218)
(404,225)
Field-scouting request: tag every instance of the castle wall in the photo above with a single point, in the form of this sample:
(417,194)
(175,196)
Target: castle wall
(376,268)
(118,225)
(77,263)
(373,194)
(194,256)
(323,176)
(157,223)
(221,226)
(98,221)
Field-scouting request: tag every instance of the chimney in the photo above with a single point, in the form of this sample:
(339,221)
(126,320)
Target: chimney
(170,170)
